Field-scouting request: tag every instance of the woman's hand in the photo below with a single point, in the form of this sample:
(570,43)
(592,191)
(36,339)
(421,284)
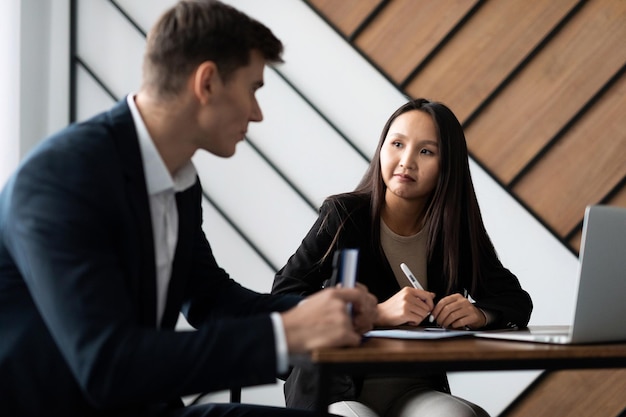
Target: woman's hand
(407,306)
(457,312)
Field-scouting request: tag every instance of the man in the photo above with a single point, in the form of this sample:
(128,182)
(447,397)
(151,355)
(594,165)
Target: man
(101,246)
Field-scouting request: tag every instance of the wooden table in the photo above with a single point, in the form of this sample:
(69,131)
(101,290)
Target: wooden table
(377,355)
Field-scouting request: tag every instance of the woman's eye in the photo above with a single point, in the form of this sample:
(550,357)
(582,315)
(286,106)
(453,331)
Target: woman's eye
(396,144)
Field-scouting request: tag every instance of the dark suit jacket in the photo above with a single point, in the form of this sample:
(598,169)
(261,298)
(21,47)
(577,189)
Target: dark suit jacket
(305,273)
(78,332)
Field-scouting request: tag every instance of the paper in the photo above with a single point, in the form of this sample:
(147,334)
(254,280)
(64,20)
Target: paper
(419,334)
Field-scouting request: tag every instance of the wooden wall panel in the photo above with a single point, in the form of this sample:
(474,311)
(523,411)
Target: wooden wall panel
(584,166)
(524,77)
(418,26)
(619,199)
(585,393)
(345,15)
(485,50)
(554,86)
(575,241)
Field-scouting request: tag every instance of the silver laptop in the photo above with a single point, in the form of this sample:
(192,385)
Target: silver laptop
(600,305)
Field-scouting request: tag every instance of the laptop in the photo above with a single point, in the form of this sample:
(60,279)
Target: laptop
(600,305)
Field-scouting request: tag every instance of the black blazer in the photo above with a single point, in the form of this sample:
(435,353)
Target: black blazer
(307,269)
(78,332)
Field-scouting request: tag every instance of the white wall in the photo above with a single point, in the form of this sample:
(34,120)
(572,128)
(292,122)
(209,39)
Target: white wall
(9,87)
(297,140)
(34,77)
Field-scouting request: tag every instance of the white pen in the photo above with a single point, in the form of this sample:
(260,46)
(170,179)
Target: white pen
(414,282)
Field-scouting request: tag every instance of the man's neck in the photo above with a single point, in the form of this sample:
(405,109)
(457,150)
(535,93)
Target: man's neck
(168,124)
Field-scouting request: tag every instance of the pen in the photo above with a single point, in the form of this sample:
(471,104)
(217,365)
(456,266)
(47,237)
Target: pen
(467,295)
(470,299)
(414,282)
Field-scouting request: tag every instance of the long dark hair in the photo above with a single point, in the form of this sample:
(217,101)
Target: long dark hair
(457,234)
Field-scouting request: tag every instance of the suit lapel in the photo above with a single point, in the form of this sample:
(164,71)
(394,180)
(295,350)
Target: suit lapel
(143,274)
(187,205)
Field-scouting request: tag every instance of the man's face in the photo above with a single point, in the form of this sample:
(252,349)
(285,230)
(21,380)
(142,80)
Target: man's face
(232,106)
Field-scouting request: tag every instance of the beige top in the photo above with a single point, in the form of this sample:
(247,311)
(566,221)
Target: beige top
(412,251)
(408,249)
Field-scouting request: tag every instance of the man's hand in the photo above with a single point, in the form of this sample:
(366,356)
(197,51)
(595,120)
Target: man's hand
(322,320)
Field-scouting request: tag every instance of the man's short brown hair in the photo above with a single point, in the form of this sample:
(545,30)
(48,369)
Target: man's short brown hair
(195,31)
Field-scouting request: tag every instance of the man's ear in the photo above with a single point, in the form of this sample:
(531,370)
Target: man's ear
(205,80)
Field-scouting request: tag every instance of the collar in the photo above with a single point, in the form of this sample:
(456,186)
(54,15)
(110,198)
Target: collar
(158,178)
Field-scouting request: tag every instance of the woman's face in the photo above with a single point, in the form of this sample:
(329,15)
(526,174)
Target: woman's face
(410,158)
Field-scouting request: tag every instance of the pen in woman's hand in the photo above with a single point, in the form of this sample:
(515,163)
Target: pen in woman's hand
(414,282)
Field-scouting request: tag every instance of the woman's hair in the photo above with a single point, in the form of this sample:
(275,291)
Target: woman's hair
(195,31)
(452,217)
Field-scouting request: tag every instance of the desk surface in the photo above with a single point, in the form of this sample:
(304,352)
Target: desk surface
(468,353)
(465,348)
(384,356)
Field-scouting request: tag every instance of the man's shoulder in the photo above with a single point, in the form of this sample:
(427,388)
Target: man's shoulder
(90,153)
(88,134)
(112,122)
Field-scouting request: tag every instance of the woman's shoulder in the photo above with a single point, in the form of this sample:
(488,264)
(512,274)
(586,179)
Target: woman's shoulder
(349,212)
(346,203)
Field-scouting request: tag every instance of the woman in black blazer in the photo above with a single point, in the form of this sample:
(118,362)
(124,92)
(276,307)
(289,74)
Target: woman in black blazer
(416,205)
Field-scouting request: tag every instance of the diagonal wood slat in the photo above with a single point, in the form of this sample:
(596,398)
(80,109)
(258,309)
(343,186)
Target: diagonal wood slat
(552,88)
(418,25)
(345,15)
(485,51)
(583,167)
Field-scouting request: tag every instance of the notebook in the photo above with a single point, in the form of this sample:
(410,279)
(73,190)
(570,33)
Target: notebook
(600,305)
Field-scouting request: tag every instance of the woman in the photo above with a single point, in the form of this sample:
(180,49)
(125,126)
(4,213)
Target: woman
(416,205)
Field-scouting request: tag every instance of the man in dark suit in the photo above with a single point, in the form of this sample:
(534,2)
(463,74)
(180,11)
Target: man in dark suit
(101,246)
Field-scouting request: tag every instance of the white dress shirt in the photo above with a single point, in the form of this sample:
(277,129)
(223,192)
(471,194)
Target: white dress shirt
(162,189)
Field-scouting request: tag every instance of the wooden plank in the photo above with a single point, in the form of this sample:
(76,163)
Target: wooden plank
(555,85)
(346,15)
(580,393)
(586,164)
(619,199)
(487,48)
(407,30)
(574,242)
